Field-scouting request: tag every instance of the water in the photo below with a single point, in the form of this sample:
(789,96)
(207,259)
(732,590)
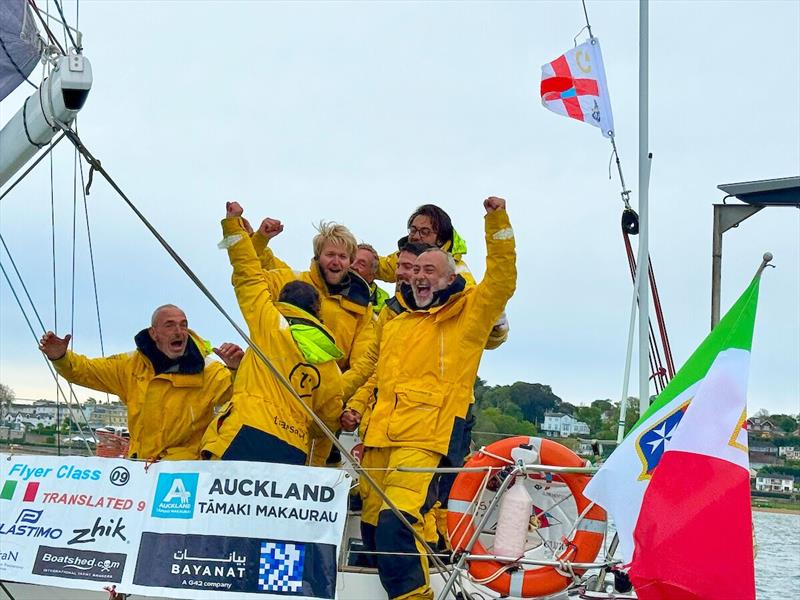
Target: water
(778,559)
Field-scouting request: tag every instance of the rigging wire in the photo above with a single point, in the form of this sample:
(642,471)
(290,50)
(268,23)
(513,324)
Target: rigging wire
(41,325)
(59,389)
(55,284)
(91,263)
(74,240)
(95,164)
(50,35)
(53,144)
(5,590)
(41,157)
(67,29)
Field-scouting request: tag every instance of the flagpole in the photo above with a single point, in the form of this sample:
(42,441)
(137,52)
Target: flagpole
(644,184)
(766,259)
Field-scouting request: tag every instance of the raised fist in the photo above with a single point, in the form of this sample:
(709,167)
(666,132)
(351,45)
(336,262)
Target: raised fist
(233,209)
(493,203)
(270,228)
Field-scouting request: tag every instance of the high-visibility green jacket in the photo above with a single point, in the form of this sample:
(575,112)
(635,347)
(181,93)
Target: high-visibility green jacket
(428,359)
(296,343)
(168,412)
(378,297)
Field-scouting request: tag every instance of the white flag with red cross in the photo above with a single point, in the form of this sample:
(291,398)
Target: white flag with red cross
(574,85)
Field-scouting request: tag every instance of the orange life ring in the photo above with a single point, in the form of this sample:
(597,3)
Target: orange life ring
(542,581)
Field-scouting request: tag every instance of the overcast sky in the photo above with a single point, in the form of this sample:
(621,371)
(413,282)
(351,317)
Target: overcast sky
(359,112)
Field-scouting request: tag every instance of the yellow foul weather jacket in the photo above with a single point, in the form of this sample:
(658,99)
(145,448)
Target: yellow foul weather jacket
(296,343)
(347,313)
(167,412)
(428,359)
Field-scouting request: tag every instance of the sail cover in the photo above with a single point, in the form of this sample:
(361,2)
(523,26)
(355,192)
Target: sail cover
(20,44)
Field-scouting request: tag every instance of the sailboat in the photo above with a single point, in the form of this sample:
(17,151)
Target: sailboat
(51,109)
(353,582)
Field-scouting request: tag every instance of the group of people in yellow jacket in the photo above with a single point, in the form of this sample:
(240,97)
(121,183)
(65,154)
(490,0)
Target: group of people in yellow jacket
(403,374)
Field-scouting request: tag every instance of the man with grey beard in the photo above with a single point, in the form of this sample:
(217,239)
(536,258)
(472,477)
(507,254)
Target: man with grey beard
(168,384)
(427,364)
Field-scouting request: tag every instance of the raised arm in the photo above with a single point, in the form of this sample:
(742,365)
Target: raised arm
(500,280)
(255,288)
(101,374)
(268,229)
(387,266)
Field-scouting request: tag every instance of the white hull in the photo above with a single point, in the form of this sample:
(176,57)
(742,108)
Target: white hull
(351,586)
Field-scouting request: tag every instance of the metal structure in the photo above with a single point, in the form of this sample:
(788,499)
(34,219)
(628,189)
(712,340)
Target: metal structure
(54,105)
(755,195)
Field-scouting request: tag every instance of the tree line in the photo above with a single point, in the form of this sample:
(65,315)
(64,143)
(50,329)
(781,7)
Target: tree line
(519,409)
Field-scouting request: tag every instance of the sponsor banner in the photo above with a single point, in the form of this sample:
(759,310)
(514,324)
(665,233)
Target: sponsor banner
(79,564)
(236,564)
(188,529)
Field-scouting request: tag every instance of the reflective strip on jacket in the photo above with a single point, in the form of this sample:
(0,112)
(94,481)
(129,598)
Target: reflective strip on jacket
(168,413)
(429,359)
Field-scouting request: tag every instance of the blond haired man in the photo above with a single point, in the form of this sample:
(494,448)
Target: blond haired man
(344,300)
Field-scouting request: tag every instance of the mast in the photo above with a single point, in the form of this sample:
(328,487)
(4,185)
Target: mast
(644,184)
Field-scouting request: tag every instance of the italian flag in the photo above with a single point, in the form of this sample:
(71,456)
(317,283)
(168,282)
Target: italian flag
(678,487)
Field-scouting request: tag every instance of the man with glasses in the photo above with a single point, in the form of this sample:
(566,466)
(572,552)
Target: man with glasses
(429,224)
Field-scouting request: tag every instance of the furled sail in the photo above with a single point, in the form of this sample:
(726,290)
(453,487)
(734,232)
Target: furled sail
(20,44)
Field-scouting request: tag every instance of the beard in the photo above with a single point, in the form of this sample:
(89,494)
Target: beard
(425,297)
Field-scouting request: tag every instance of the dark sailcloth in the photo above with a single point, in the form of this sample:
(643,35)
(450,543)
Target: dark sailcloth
(20,45)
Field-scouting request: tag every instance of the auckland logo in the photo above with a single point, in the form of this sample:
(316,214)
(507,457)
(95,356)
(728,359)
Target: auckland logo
(651,443)
(175,496)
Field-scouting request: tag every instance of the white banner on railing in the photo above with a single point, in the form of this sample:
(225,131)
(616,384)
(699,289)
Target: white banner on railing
(184,529)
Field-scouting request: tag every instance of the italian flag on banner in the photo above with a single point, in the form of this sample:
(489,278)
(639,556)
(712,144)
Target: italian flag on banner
(678,487)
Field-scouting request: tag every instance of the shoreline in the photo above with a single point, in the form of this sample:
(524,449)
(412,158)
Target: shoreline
(783,511)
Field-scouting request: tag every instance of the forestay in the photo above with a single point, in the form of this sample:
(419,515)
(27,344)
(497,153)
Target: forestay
(190,529)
